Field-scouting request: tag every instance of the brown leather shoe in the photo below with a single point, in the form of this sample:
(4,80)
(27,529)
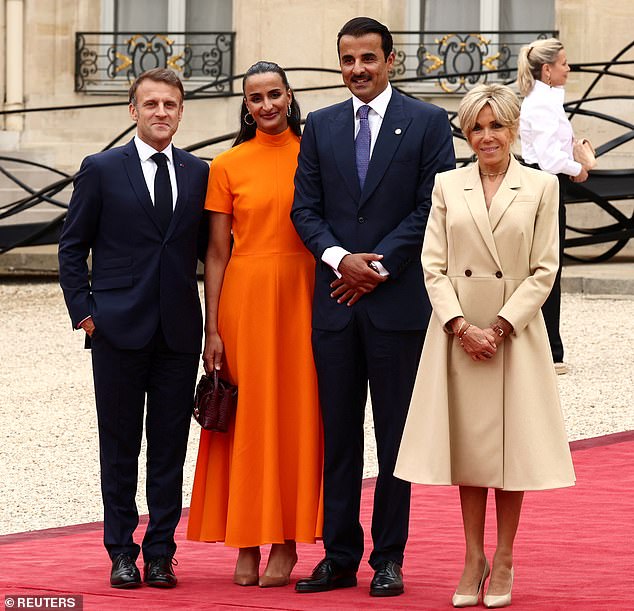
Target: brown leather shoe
(159,573)
(124,572)
(387,580)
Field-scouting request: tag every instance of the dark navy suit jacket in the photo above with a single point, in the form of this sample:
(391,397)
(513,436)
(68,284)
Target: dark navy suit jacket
(387,217)
(140,277)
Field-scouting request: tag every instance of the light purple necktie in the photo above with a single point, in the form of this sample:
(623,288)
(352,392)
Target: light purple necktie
(362,144)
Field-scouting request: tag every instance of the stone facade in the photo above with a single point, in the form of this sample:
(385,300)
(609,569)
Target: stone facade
(299,34)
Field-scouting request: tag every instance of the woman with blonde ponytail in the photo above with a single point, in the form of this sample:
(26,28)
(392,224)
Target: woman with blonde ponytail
(547,140)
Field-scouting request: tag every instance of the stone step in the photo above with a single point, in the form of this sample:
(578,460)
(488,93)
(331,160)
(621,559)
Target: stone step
(35,178)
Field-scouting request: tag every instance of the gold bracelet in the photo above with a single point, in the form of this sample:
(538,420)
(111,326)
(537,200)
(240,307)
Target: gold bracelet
(464,332)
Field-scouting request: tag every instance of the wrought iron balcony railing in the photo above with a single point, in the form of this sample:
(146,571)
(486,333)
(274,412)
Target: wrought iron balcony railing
(442,59)
(108,62)
(605,188)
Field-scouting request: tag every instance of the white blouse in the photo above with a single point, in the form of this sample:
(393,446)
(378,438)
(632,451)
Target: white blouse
(545,132)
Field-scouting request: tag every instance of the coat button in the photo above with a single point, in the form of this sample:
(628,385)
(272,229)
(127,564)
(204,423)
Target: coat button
(467,272)
(498,274)
(361,219)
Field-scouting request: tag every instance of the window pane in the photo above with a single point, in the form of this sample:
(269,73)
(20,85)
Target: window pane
(211,55)
(141,15)
(203,15)
(451,15)
(522,15)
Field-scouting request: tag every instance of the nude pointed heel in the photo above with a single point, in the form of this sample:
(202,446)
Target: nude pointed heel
(471,600)
(278,581)
(245,578)
(270,581)
(496,602)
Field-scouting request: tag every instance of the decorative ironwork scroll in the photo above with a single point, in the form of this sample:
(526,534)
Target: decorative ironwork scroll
(108,62)
(605,188)
(456,62)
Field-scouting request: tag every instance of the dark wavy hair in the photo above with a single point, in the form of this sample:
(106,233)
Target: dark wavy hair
(294,121)
(360,26)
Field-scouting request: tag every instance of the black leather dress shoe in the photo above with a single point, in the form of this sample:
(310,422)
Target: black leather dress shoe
(327,576)
(124,573)
(387,580)
(159,573)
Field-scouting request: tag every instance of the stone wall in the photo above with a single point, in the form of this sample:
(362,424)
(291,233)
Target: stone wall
(299,34)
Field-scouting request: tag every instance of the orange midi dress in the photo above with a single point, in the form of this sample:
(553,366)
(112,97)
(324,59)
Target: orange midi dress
(262,481)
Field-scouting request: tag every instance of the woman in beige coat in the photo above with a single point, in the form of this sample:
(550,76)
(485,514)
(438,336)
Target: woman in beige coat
(485,411)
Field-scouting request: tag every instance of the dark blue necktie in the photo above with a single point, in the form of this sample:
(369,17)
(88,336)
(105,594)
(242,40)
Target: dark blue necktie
(362,144)
(162,192)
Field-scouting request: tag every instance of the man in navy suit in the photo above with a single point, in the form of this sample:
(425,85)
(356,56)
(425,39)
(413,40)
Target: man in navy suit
(362,198)
(138,210)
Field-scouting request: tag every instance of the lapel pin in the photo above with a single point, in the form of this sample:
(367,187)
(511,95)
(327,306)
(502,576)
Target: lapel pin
(398,131)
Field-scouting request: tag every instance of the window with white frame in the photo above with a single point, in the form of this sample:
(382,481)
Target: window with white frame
(449,42)
(178,19)
(482,15)
(192,37)
(166,15)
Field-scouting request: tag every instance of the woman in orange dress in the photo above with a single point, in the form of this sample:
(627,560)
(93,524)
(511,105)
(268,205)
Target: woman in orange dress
(261,482)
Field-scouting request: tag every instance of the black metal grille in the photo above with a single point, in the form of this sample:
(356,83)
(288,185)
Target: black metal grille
(603,187)
(457,61)
(108,62)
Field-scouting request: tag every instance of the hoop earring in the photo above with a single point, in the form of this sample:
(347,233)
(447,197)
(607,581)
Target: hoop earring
(289,112)
(249,123)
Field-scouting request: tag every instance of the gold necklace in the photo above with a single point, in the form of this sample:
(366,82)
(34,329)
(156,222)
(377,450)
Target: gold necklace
(493,174)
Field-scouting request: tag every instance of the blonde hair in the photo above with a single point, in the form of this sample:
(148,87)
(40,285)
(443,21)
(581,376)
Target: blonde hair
(530,60)
(503,103)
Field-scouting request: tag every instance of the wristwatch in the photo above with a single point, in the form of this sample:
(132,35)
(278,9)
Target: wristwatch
(497,329)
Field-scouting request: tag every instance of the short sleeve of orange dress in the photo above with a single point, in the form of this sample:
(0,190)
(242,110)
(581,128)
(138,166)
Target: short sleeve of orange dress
(219,196)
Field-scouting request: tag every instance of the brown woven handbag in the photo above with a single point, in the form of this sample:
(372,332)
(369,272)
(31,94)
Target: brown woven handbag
(214,402)
(584,153)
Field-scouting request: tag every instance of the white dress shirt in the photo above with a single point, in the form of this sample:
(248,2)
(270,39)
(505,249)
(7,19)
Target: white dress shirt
(545,131)
(149,167)
(378,106)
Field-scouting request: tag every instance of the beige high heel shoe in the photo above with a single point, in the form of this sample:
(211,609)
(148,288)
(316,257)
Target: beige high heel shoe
(277,581)
(496,602)
(246,556)
(471,600)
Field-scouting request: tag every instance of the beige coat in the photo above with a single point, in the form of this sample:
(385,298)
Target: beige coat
(494,423)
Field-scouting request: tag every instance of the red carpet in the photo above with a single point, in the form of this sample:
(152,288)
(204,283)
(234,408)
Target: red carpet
(573,551)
